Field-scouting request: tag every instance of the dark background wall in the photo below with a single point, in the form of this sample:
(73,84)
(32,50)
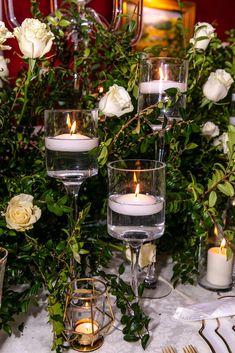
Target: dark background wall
(220,13)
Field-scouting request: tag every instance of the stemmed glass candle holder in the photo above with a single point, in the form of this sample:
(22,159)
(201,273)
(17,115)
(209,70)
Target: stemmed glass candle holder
(136,205)
(157,74)
(70,135)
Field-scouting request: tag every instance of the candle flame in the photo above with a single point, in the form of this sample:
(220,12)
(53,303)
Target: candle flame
(137,190)
(73,128)
(215,231)
(68,121)
(162,76)
(223,243)
(135,178)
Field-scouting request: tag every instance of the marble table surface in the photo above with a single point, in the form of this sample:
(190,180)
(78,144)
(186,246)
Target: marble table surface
(37,335)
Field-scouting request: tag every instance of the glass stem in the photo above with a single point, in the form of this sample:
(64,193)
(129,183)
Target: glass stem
(72,192)
(160,146)
(150,280)
(135,251)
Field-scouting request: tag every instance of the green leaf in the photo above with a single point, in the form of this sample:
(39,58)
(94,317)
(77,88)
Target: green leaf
(131,338)
(226,188)
(121,269)
(144,340)
(191,146)
(212,199)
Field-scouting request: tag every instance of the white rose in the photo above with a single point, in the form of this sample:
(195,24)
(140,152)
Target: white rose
(34,39)
(21,214)
(4,35)
(222,142)
(210,129)
(116,102)
(147,254)
(217,85)
(202,29)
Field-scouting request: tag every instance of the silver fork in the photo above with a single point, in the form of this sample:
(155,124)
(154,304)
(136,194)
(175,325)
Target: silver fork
(189,349)
(168,349)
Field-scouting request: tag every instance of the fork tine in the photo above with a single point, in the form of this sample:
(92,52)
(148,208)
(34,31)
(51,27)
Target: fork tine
(168,349)
(189,349)
(193,350)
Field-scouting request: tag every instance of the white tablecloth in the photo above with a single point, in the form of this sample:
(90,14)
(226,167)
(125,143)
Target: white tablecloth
(37,335)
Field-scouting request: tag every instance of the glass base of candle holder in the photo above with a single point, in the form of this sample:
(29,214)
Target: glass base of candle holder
(214,288)
(87,348)
(160,290)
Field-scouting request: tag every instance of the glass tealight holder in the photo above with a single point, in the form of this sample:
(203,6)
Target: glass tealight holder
(216,262)
(88,314)
(157,75)
(3,260)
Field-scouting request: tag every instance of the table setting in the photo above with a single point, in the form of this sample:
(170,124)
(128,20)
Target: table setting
(117,187)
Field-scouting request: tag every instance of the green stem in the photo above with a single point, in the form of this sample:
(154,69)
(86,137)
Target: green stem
(26,86)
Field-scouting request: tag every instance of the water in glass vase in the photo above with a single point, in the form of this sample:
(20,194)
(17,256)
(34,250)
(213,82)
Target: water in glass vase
(71,165)
(136,222)
(147,99)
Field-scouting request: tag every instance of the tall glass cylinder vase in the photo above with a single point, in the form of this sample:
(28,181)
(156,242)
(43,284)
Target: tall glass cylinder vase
(70,137)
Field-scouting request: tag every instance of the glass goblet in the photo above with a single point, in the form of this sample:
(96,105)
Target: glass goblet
(70,135)
(136,205)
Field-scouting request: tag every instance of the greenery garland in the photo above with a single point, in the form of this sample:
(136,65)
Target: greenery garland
(200,178)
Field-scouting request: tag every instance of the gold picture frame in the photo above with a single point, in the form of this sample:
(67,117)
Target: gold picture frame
(159,18)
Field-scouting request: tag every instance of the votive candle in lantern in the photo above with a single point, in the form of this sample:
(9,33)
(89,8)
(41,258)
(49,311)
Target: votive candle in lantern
(87,330)
(219,268)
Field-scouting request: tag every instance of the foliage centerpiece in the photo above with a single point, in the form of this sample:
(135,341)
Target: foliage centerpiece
(104,71)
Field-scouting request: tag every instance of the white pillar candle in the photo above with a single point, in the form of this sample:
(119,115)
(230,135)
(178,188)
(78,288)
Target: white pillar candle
(135,204)
(71,143)
(219,269)
(159,86)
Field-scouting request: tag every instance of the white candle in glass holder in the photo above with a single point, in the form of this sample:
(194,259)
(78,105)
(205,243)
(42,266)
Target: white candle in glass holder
(135,204)
(219,269)
(159,86)
(71,143)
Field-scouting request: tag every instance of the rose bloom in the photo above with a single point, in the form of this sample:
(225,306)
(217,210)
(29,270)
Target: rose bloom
(217,85)
(21,214)
(4,35)
(116,102)
(222,142)
(210,129)
(202,29)
(147,254)
(34,39)
(4,72)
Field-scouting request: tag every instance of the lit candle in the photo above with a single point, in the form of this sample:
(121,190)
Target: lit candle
(159,86)
(87,331)
(71,143)
(219,269)
(135,204)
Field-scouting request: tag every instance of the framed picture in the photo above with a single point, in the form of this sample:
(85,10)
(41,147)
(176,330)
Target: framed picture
(159,22)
